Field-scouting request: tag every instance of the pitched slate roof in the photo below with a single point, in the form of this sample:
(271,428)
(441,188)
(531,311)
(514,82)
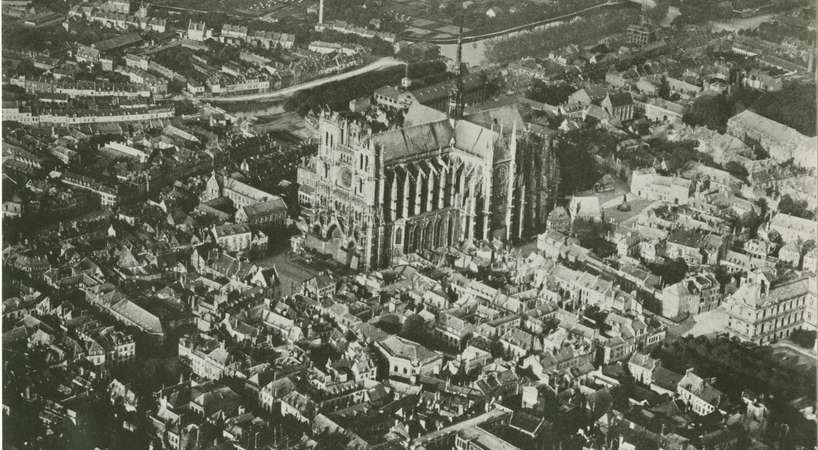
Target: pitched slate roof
(138,315)
(404,348)
(404,142)
(620,99)
(466,136)
(266,207)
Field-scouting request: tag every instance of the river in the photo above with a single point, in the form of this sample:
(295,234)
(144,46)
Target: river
(474,54)
(748,23)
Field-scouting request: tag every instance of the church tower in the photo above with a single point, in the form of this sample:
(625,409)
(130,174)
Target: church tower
(406,82)
(456,94)
(142,11)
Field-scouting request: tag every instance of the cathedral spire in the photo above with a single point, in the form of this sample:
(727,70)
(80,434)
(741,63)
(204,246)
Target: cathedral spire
(643,15)
(456,95)
(406,82)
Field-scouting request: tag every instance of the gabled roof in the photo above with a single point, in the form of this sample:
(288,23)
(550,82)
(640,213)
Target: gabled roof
(419,113)
(406,349)
(643,360)
(403,142)
(475,139)
(770,128)
(388,91)
(505,116)
(266,207)
(218,400)
(138,315)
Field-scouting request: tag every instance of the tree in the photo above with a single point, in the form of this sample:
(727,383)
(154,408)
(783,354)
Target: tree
(338,94)
(658,12)
(419,52)
(496,348)
(577,167)
(672,271)
(175,86)
(593,313)
(798,208)
(538,43)
(550,94)
(736,169)
(184,107)
(803,338)
(711,111)
(414,328)
(794,106)
(549,324)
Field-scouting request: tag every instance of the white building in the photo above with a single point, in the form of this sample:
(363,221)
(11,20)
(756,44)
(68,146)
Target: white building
(407,359)
(763,311)
(699,394)
(239,193)
(207,360)
(120,150)
(641,367)
(197,31)
(792,228)
(326,48)
(233,237)
(649,185)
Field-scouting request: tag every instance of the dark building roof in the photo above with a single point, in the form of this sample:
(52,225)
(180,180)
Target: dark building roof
(666,379)
(620,99)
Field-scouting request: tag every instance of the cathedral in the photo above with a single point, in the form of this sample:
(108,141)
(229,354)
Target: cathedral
(440,179)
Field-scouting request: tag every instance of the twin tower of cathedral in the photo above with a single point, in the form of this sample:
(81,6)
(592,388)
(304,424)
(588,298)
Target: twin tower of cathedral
(441,180)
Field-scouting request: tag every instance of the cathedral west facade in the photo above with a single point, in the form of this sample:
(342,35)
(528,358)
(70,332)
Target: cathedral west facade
(437,181)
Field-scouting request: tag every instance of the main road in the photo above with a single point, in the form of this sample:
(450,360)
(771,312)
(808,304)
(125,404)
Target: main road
(378,64)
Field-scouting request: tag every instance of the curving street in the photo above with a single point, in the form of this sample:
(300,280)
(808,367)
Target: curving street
(378,64)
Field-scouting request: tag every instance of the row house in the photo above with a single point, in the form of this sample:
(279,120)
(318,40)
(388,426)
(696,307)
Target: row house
(583,288)
(108,346)
(207,358)
(649,185)
(452,329)
(699,394)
